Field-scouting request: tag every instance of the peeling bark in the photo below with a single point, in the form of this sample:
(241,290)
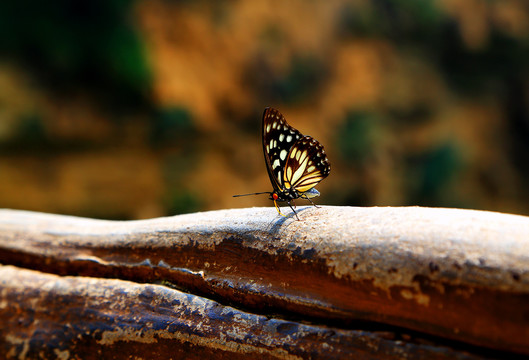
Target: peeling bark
(371,282)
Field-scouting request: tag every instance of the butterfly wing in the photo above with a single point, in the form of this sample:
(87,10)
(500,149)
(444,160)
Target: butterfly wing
(278,139)
(306,165)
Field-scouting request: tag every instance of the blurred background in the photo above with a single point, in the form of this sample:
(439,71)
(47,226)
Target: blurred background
(123,109)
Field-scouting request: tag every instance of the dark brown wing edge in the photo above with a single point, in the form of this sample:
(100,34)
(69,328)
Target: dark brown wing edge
(266,115)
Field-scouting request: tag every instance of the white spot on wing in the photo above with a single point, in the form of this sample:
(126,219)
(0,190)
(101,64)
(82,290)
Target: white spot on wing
(283,154)
(281,137)
(276,164)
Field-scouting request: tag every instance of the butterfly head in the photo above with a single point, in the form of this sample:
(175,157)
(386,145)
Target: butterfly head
(281,196)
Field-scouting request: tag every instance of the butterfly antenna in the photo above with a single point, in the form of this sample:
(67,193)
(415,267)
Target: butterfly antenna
(258,193)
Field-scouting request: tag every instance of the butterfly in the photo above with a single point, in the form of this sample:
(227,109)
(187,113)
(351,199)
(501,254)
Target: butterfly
(296,163)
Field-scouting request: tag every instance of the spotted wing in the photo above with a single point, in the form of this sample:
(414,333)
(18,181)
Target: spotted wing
(306,165)
(278,138)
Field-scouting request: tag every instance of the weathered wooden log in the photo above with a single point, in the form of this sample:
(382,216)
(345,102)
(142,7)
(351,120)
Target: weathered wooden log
(372,282)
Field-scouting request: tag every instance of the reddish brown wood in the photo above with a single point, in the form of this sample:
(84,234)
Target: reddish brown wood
(49,316)
(456,275)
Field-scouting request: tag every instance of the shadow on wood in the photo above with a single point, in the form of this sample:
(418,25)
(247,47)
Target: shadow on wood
(367,282)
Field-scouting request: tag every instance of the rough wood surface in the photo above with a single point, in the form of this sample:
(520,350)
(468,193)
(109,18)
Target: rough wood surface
(381,282)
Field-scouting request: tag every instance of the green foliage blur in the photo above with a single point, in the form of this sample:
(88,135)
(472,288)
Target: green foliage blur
(67,43)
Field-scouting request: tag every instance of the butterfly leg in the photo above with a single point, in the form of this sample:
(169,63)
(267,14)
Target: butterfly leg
(312,202)
(295,213)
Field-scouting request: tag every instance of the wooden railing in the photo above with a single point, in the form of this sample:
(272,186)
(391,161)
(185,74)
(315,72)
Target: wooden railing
(411,282)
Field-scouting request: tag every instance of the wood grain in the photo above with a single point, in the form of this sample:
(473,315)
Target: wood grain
(416,282)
